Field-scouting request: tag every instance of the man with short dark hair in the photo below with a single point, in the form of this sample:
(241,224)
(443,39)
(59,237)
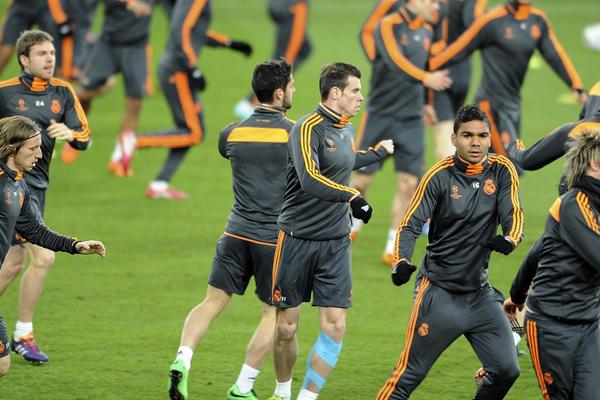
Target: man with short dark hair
(53,104)
(466,196)
(20,150)
(257,150)
(563,305)
(313,247)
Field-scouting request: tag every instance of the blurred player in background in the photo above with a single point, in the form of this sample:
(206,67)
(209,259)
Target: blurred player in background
(180,80)
(402,44)
(53,104)
(291,41)
(507,37)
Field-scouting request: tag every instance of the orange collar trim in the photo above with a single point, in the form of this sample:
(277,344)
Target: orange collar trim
(520,13)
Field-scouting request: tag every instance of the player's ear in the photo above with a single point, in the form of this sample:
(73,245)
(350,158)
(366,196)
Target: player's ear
(453,139)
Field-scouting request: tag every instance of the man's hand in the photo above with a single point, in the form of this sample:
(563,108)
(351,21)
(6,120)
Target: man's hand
(402,272)
(197,80)
(580,96)
(242,47)
(510,309)
(139,8)
(429,115)
(67,28)
(91,247)
(499,244)
(388,145)
(59,131)
(438,80)
(361,209)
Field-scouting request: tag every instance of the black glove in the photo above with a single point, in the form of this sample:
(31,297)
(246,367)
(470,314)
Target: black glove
(196,77)
(499,244)
(242,47)
(67,28)
(402,272)
(361,209)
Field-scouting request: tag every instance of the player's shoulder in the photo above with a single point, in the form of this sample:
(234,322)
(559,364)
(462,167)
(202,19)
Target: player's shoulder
(61,85)
(8,83)
(440,169)
(501,162)
(227,129)
(538,14)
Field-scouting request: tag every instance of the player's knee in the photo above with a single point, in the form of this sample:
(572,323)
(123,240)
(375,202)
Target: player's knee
(12,268)
(44,260)
(286,329)
(335,328)
(508,372)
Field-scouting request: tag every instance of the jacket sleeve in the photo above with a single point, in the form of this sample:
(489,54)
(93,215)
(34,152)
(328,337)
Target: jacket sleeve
(544,151)
(579,229)
(303,146)
(367,31)
(369,156)
(420,209)
(509,201)
(76,120)
(526,273)
(556,56)
(35,232)
(478,35)
(391,52)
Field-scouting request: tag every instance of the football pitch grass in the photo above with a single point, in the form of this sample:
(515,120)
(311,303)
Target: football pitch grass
(111,327)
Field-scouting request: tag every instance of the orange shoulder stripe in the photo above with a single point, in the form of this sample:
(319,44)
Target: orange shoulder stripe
(391,46)
(467,37)
(576,82)
(555,210)
(585,127)
(418,197)
(367,34)
(300,11)
(305,136)
(595,90)
(10,82)
(186,30)
(516,231)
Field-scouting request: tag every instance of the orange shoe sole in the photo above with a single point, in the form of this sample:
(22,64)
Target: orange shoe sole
(68,155)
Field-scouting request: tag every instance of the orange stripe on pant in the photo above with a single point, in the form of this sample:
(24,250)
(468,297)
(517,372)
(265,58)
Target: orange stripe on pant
(300,12)
(532,341)
(388,388)
(191,118)
(67,54)
(276,259)
(497,145)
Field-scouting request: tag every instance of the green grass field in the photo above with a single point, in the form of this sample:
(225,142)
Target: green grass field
(111,327)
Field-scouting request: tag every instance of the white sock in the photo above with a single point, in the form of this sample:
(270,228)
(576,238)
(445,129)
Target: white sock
(356,224)
(391,241)
(307,395)
(128,142)
(22,329)
(185,354)
(516,338)
(159,185)
(283,389)
(117,152)
(246,378)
